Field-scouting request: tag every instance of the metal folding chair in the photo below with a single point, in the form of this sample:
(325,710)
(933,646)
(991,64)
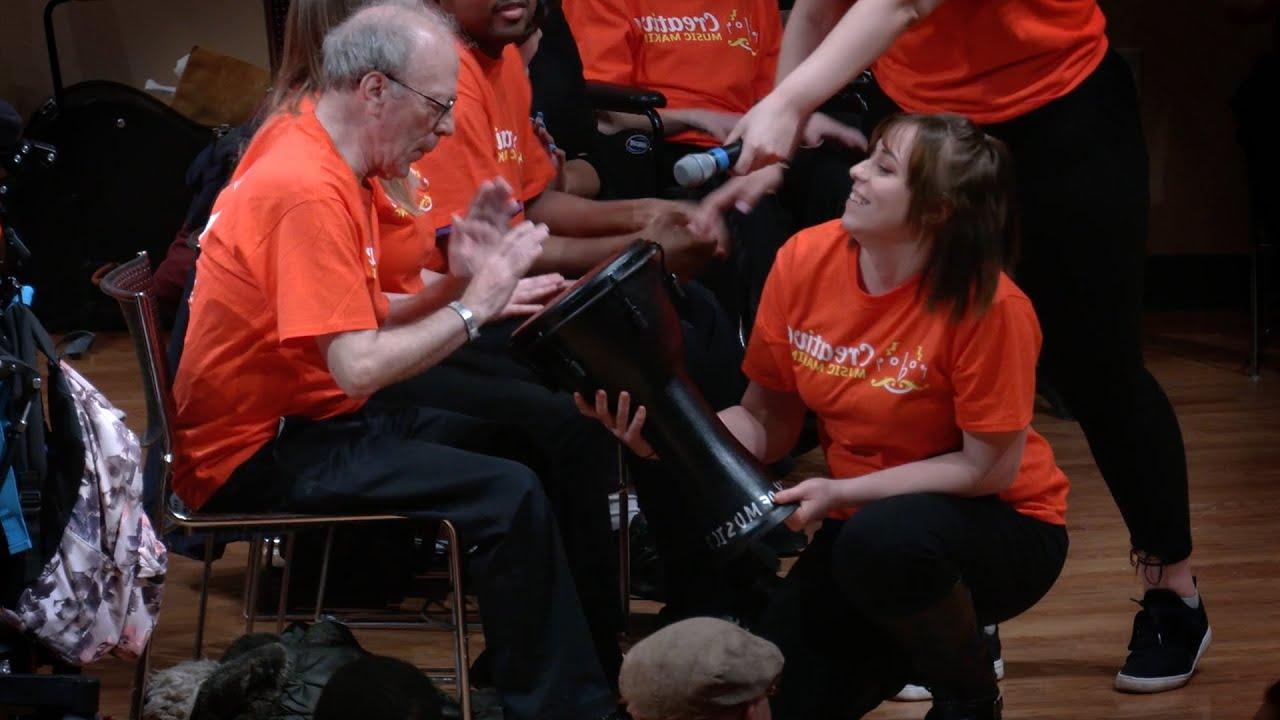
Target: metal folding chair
(132,285)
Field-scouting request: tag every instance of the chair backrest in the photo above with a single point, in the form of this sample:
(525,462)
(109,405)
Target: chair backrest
(133,286)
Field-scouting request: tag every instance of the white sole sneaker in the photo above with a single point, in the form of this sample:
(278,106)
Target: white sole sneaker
(1129,683)
(919,693)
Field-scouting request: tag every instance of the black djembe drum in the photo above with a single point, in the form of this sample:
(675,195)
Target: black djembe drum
(617,329)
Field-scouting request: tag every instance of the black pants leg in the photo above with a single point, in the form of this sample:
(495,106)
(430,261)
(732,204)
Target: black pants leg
(1082,177)
(893,558)
(579,472)
(1083,195)
(423,463)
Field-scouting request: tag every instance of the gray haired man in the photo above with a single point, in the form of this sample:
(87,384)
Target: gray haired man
(290,334)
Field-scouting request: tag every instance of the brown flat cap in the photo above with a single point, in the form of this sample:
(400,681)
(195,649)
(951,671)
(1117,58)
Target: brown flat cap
(695,669)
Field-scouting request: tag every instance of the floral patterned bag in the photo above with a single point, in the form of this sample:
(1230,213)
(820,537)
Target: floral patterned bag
(99,593)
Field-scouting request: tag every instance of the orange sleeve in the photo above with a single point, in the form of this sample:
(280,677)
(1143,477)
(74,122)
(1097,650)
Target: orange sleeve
(994,378)
(606,39)
(321,277)
(768,358)
(464,160)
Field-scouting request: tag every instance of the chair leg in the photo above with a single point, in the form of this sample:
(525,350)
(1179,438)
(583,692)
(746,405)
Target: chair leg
(283,607)
(204,597)
(461,654)
(624,539)
(140,671)
(324,573)
(251,600)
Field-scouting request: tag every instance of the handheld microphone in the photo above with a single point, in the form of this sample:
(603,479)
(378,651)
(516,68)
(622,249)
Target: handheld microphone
(696,168)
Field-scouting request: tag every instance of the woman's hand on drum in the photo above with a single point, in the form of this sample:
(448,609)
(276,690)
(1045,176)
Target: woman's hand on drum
(815,497)
(531,294)
(623,426)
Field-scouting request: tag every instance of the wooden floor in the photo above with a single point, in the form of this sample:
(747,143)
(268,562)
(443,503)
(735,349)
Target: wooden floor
(1060,657)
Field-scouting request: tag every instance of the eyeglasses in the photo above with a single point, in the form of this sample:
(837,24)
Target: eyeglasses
(445,107)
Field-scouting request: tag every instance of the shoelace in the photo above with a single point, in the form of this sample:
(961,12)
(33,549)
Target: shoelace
(1149,626)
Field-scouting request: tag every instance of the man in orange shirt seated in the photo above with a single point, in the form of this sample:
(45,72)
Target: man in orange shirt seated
(290,333)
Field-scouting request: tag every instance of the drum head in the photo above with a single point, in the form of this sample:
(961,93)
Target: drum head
(585,291)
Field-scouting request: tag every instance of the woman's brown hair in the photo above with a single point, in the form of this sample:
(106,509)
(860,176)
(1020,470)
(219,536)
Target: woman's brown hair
(302,68)
(302,60)
(962,199)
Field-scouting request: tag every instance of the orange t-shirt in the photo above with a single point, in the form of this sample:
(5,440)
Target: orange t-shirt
(705,54)
(407,240)
(993,60)
(493,137)
(289,254)
(891,382)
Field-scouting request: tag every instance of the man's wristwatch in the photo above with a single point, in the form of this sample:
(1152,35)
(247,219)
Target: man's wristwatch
(468,319)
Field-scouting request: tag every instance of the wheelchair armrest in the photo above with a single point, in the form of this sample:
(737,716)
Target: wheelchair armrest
(624,98)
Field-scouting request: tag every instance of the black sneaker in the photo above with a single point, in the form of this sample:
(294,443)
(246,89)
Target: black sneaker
(912,692)
(1168,641)
(966,709)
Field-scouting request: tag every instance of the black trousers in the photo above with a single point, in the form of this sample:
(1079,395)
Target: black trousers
(581,457)
(433,465)
(1081,164)
(894,558)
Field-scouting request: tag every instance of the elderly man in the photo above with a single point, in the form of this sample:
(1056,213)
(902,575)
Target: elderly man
(290,333)
(701,669)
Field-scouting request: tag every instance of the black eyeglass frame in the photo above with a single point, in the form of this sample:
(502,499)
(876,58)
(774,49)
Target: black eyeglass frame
(445,107)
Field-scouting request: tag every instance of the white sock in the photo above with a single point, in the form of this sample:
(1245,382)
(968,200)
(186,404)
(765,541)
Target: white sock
(1192,602)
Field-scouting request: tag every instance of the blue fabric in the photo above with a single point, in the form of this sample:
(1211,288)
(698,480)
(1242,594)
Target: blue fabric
(14,527)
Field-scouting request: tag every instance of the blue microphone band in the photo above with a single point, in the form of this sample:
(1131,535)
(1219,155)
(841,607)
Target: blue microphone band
(721,157)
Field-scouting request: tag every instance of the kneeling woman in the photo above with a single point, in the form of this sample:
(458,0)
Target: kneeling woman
(944,511)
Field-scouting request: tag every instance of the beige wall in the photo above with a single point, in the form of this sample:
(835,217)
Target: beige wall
(1192,58)
(123,40)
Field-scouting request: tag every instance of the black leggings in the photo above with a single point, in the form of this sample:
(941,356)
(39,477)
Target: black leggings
(894,558)
(1081,163)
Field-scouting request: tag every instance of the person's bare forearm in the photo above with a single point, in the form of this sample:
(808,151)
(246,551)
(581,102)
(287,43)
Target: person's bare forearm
(674,121)
(867,29)
(572,256)
(438,289)
(366,361)
(572,216)
(809,22)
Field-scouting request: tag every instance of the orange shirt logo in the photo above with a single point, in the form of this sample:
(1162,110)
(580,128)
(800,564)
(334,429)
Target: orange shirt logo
(737,31)
(896,372)
(901,372)
(420,189)
(507,143)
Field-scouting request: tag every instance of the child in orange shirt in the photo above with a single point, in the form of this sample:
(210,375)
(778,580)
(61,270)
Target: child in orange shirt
(944,511)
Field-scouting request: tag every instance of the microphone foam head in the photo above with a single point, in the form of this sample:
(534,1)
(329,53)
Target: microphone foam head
(694,170)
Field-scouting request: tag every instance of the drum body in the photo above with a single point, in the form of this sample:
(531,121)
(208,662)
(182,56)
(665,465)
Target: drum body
(617,329)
